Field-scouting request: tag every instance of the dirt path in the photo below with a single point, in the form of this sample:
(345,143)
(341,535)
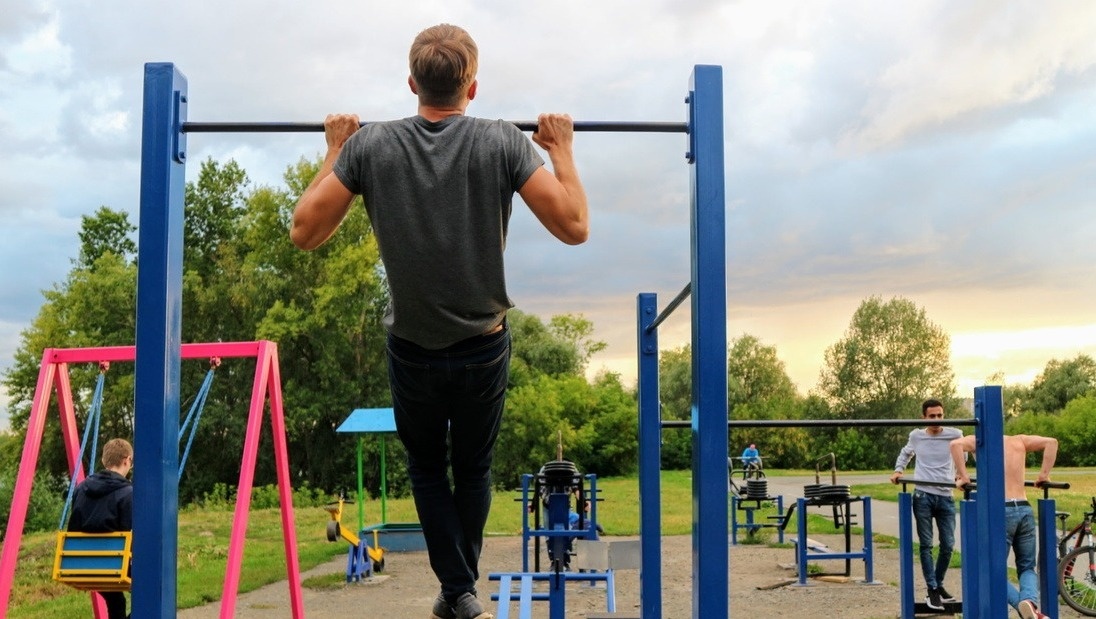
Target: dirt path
(407,587)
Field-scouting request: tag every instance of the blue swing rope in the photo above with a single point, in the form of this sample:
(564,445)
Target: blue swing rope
(94,414)
(195,413)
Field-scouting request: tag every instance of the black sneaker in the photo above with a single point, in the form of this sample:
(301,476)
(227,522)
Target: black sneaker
(933,600)
(442,609)
(468,607)
(945,596)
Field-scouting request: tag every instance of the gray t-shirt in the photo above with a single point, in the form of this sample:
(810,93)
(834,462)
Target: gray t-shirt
(933,453)
(439,198)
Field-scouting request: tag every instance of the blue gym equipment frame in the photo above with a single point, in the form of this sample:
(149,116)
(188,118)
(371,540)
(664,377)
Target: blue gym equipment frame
(158,360)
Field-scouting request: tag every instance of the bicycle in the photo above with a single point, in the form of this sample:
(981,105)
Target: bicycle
(1077,564)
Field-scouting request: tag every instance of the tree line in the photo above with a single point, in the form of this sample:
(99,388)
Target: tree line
(243,280)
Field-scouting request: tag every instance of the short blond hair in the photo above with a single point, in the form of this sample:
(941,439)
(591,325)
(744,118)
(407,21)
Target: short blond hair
(444,60)
(115,452)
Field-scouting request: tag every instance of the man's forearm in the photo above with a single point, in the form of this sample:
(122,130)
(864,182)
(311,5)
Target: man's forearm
(326,167)
(566,172)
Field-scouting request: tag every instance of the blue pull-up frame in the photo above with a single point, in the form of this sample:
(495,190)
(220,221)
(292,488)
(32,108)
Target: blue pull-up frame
(159,321)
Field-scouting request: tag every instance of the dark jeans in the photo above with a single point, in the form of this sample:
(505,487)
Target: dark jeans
(927,508)
(458,394)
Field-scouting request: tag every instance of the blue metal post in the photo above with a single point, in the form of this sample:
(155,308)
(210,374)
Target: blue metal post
(990,454)
(528,503)
(969,547)
(1048,559)
(709,344)
(158,339)
(905,554)
(869,552)
(801,539)
(650,461)
(734,520)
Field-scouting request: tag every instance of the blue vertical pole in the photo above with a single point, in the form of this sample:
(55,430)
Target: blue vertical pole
(159,322)
(528,502)
(801,539)
(650,461)
(734,520)
(990,454)
(1048,559)
(905,555)
(709,344)
(969,547)
(869,553)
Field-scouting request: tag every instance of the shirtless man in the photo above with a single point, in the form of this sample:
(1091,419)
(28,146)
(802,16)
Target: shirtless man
(1019,518)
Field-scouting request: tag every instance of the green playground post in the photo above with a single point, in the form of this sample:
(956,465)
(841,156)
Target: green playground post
(361,488)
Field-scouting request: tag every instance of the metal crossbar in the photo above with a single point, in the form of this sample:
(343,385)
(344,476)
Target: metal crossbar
(609,126)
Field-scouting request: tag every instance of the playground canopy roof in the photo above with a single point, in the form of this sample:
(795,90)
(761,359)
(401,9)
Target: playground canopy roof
(366,420)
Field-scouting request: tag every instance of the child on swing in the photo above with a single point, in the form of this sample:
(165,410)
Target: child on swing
(103,503)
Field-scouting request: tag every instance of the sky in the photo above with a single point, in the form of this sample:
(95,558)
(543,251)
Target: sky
(942,151)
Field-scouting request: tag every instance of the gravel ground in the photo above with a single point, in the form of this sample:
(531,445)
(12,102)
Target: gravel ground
(407,588)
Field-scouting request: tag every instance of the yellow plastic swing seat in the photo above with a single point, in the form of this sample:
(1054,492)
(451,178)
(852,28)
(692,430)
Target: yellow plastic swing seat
(94,561)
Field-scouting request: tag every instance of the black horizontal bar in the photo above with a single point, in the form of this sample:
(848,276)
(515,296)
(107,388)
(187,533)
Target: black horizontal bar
(1056,485)
(924,482)
(678,300)
(823,423)
(613,126)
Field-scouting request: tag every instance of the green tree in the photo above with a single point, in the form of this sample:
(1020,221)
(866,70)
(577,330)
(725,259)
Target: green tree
(562,347)
(759,388)
(754,372)
(106,231)
(1060,383)
(596,423)
(891,358)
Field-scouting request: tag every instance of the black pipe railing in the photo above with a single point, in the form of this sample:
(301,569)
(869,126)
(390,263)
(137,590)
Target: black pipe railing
(1046,486)
(611,126)
(824,423)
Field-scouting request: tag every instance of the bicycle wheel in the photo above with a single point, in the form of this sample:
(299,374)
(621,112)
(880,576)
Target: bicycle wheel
(1077,580)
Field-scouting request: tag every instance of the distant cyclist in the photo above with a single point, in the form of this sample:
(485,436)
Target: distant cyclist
(751,458)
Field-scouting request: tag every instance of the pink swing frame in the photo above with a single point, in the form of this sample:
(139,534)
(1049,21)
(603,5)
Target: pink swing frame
(53,378)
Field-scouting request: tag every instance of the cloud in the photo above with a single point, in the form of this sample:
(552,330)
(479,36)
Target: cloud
(981,57)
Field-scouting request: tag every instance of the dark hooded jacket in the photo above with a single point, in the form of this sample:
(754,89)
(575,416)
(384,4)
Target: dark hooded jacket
(102,503)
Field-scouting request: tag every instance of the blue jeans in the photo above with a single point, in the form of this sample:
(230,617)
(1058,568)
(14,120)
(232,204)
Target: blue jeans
(1020,536)
(455,394)
(928,507)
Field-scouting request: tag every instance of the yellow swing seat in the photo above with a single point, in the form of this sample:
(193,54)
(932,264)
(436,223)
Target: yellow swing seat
(94,561)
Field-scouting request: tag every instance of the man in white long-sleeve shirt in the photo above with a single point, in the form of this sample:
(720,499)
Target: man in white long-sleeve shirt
(931,447)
